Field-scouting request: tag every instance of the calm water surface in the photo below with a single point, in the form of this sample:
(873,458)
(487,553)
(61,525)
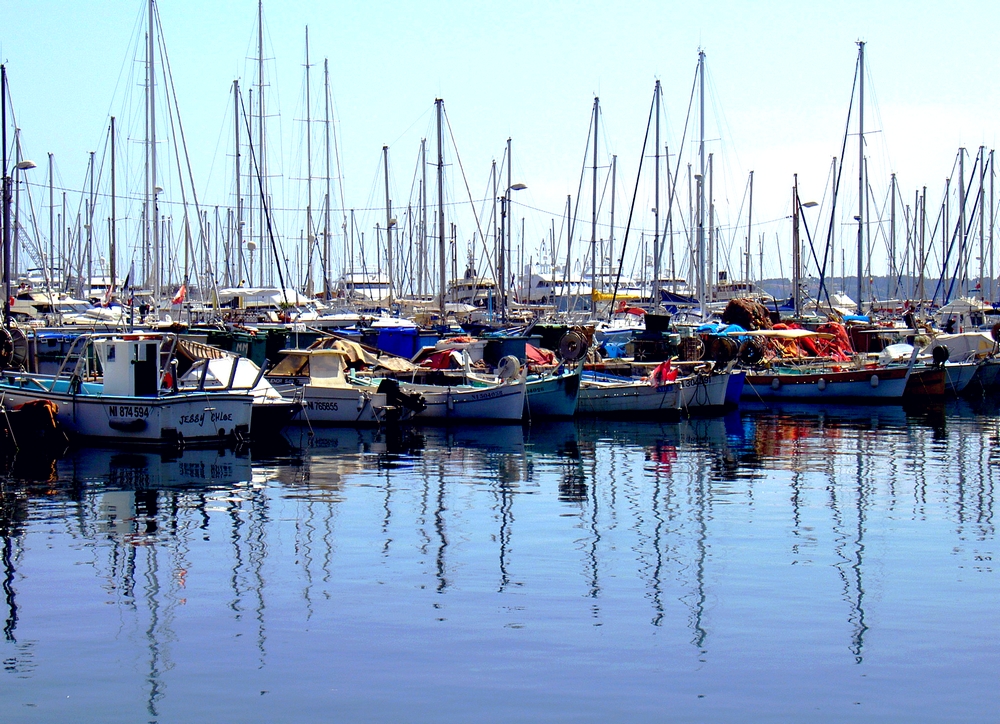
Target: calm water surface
(783,565)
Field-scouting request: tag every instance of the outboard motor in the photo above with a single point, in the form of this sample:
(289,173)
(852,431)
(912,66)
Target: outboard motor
(414,402)
(940,354)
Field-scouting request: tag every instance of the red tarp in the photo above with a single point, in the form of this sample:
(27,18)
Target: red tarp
(539,356)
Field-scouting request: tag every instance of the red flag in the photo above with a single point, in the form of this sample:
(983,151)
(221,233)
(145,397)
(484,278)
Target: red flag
(181,295)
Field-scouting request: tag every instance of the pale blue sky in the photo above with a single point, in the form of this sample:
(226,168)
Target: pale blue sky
(780,78)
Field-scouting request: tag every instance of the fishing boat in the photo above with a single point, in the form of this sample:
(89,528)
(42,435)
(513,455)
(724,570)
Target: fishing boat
(318,378)
(607,395)
(122,389)
(864,382)
(214,369)
(554,393)
(501,399)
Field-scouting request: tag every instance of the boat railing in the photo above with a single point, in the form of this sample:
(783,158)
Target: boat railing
(76,359)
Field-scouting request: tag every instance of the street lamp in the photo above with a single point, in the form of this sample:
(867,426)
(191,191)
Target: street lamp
(505,247)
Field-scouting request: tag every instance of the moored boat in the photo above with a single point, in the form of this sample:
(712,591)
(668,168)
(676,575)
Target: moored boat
(122,389)
(318,379)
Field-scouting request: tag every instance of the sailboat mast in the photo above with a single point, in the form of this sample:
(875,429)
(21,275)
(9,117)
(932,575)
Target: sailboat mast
(329,198)
(669,233)
(309,196)
(892,234)
(749,229)
(47,274)
(656,203)
(442,270)
(593,212)
(713,277)
(155,221)
(702,291)
(112,245)
(422,277)
(982,220)
(506,240)
(611,235)
(388,219)
(239,195)
(962,267)
(992,222)
(861,166)
(89,281)
(796,251)
(261,167)
(945,207)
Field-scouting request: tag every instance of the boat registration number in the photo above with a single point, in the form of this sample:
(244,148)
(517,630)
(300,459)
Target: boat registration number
(140,412)
(330,406)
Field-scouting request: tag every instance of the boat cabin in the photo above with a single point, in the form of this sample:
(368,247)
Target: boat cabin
(133,364)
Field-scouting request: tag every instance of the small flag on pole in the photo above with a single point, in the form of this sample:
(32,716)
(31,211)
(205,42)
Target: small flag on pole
(181,295)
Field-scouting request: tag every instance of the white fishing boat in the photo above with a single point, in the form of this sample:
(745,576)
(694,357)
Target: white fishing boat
(213,369)
(497,401)
(710,390)
(605,395)
(122,389)
(318,379)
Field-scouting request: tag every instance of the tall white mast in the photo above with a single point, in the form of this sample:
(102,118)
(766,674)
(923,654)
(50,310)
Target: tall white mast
(593,213)
(656,203)
(702,290)
(326,210)
(239,196)
(261,151)
(310,236)
(861,166)
(422,260)
(388,219)
(442,270)
(151,91)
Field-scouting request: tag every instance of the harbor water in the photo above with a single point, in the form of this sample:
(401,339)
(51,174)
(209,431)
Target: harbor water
(782,564)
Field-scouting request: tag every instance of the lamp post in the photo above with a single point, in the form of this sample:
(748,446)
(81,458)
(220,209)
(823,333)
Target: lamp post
(20,166)
(505,247)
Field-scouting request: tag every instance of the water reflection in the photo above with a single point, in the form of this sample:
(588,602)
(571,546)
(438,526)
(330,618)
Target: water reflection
(683,529)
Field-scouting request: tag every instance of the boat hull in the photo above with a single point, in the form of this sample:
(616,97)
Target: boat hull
(342,406)
(553,395)
(885,384)
(499,403)
(958,376)
(181,418)
(627,399)
(706,393)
